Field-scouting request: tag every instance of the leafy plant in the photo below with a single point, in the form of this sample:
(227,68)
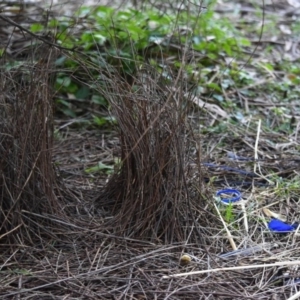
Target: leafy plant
(127,38)
(228,215)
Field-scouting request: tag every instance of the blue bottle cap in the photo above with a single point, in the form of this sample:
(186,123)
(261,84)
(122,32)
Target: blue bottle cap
(279,226)
(235,195)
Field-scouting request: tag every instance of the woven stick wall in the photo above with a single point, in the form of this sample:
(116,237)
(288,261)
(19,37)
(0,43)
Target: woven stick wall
(149,196)
(27,180)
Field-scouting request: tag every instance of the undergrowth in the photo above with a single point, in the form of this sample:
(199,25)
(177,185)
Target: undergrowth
(127,39)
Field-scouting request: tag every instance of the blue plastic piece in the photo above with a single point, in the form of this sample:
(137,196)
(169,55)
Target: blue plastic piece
(236,195)
(279,226)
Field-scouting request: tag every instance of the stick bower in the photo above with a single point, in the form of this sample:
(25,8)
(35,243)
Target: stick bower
(149,194)
(27,178)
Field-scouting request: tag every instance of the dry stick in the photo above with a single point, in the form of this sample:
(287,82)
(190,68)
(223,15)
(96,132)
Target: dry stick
(9,232)
(295,296)
(256,149)
(256,146)
(231,241)
(245,217)
(277,264)
(103,270)
(5,263)
(112,236)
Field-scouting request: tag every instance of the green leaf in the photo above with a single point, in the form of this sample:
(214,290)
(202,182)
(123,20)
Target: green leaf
(36,27)
(64,81)
(82,93)
(229,217)
(60,61)
(53,23)
(218,97)
(97,99)
(100,167)
(214,86)
(100,121)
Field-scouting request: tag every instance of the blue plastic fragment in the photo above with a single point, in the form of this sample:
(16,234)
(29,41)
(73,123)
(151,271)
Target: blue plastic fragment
(236,195)
(279,226)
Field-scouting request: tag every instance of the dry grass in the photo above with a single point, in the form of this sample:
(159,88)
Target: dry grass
(75,236)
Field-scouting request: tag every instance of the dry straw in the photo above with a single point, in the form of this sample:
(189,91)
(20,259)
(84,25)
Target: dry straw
(246,267)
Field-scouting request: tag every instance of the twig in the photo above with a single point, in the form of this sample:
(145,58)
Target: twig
(129,262)
(9,232)
(256,145)
(277,264)
(295,296)
(245,216)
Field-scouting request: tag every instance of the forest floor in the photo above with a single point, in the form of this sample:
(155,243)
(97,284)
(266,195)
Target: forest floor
(249,135)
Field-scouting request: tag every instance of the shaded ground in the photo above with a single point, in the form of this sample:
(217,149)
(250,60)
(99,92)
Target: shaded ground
(92,263)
